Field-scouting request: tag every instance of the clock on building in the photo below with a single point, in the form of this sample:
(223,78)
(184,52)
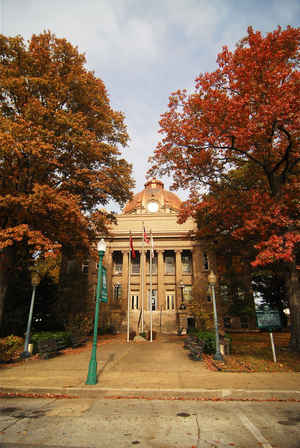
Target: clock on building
(152,206)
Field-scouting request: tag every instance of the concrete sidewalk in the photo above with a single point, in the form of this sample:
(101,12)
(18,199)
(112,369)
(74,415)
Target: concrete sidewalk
(160,369)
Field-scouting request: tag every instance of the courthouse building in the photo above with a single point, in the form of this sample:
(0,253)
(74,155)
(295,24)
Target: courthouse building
(180,265)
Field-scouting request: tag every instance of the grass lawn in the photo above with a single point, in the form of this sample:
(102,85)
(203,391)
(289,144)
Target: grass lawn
(252,352)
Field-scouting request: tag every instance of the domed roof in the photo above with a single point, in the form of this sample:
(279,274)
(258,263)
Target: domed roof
(154,198)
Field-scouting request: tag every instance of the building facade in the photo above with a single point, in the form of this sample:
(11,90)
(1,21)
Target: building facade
(169,267)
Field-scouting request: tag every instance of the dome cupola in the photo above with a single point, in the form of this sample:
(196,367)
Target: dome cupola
(153,199)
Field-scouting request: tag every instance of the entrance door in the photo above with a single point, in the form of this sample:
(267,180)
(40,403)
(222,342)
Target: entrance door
(170,301)
(153,301)
(190,324)
(134,302)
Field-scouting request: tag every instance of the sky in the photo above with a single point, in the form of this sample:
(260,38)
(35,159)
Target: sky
(144,50)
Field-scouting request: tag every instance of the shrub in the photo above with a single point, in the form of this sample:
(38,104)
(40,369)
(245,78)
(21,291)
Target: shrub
(10,348)
(80,323)
(64,337)
(107,330)
(209,340)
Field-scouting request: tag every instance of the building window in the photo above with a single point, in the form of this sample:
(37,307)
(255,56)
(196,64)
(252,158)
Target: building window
(117,262)
(117,292)
(154,263)
(169,262)
(135,264)
(170,301)
(85,267)
(187,293)
(134,302)
(153,301)
(208,298)
(186,262)
(205,261)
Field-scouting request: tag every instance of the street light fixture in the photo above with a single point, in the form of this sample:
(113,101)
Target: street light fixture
(182,305)
(92,372)
(35,281)
(212,282)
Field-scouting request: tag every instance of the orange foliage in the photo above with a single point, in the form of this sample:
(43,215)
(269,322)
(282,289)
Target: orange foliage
(236,138)
(59,146)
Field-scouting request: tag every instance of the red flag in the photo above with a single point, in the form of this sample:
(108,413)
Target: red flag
(131,246)
(146,238)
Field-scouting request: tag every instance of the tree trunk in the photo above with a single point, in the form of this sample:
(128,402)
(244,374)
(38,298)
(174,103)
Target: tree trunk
(5,267)
(3,288)
(293,288)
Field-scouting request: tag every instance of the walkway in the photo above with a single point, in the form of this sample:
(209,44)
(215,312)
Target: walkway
(160,368)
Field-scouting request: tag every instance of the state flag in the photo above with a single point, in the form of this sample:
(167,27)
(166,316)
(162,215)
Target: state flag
(131,246)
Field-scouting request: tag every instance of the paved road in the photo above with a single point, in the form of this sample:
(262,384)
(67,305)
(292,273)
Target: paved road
(160,372)
(106,423)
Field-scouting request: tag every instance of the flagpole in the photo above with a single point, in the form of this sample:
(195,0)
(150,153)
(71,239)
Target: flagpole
(151,290)
(142,280)
(128,295)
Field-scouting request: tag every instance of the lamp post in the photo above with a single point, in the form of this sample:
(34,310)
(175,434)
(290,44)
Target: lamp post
(182,305)
(35,281)
(212,282)
(92,372)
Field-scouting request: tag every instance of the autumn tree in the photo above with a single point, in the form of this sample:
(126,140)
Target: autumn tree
(244,116)
(60,156)
(218,215)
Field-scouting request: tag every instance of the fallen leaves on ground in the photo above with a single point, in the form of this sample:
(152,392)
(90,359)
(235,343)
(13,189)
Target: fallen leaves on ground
(35,395)
(102,340)
(252,352)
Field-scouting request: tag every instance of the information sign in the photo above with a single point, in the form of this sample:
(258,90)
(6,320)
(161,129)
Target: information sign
(268,320)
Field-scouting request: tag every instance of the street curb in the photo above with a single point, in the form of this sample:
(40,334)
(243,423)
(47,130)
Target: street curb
(159,394)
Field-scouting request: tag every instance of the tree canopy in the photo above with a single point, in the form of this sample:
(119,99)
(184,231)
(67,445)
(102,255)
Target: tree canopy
(59,145)
(60,152)
(234,142)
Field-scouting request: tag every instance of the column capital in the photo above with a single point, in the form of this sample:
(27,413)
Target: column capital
(124,252)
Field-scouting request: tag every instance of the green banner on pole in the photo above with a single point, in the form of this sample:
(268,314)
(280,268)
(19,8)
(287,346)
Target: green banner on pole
(104,295)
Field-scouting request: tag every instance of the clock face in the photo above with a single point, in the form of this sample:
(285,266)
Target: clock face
(152,206)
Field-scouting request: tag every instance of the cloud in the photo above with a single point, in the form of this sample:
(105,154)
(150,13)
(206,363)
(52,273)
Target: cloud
(144,50)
